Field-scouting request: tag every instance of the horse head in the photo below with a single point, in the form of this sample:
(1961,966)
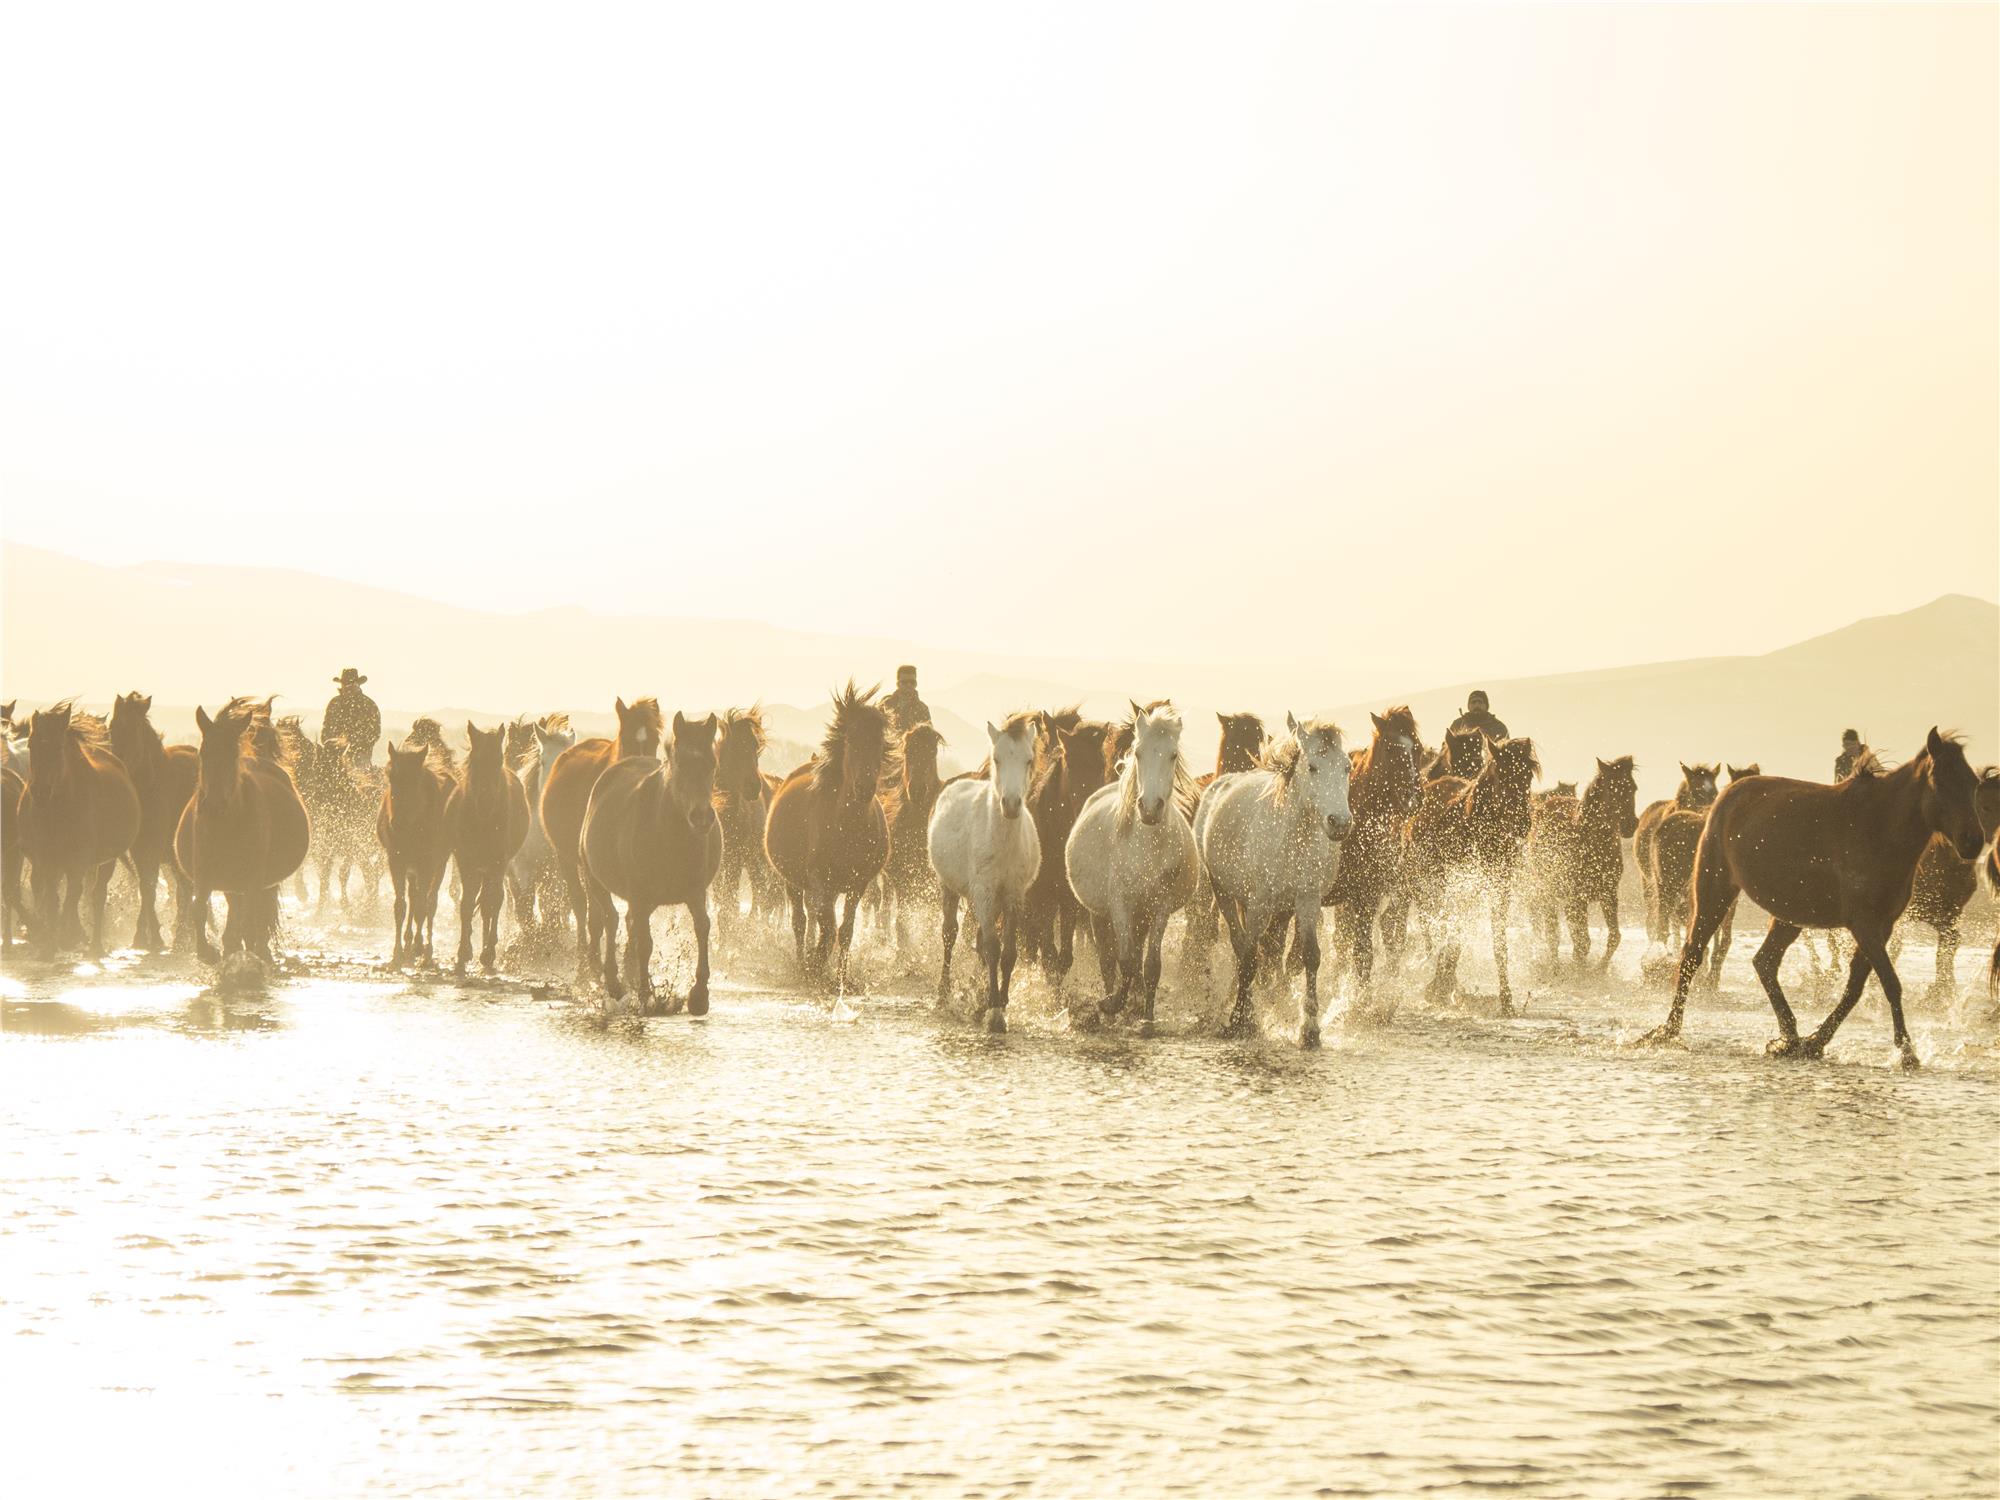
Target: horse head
(1617,785)
(1744,773)
(551,739)
(1323,772)
(920,753)
(858,738)
(1699,785)
(1950,788)
(1465,751)
(486,755)
(737,755)
(1156,758)
(223,740)
(1013,761)
(691,769)
(409,773)
(640,727)
(1242,742)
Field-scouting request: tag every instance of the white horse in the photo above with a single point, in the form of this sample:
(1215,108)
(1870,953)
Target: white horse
(1270,839)
(1131,859)
(532,873)
(986,854)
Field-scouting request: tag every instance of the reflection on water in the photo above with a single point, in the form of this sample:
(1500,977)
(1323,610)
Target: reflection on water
(359,1233)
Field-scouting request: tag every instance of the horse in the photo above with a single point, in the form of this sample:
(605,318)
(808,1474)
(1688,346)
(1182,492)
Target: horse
(427,733)
(1271,842)
(533,873)
(1463,754)
(826,835)
(1696,792)
(742,802)
(13,741)
(1131,862)
(907,803)
(13,787)
(1382,793)
(79,813)
(1576,859)
(244,832)
(416,843)
(486,821)
(1241,746)
(164,777)
(986,854)
(1944,884)
(1841,856)
(1479,825)
(341,798)
(566,797)
(1071,762)
(650,835)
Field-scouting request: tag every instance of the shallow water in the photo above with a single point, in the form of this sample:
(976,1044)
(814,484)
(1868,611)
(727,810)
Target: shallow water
(362,1233)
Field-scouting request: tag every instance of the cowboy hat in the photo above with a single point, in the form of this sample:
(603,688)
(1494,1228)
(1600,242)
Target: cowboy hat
(349,675)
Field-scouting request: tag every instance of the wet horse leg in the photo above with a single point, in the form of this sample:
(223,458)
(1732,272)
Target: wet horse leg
(1010,918)
(1944,984)
(850,907)
(1502,895)
(100,890)
(1612,936)
(399,881)
(489,909)
(1306,919)
(470,888)
(146,875)
(991,1016)
(1105,941)
(948,904)
(1243,943)
(798,922)
(638,952)
(1870,952)
(603,915)
(697,1001)
(1714,886)
(1156,936)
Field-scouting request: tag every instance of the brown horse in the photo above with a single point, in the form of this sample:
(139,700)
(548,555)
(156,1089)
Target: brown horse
(416,843)
(1072,763)
(486,820)
(244,832)
(1478,826)
(79,813)
(1578,861)
(566,797)
(1463,754)
(1840,856)
(742,802)
(1944,883)
(1382,794)
(651,836)
(908,879)
(1695,794)
(827,836)
(342,798)
(12,789)
(164,776)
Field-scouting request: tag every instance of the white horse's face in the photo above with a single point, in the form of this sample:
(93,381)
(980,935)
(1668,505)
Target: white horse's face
(1013,764)
(1324,771)
(1156,750)
(552,745)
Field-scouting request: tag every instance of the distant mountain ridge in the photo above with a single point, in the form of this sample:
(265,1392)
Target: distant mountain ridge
(165,628)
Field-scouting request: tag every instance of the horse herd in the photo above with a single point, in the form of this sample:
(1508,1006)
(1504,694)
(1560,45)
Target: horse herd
(1067,821)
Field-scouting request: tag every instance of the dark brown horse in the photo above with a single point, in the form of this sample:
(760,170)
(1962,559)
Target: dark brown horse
(416,843)
(244,832)
(1478,827)
(1839,856)
(908,881)
(1241,748)
(79,813)
(485,819)
(1463,754)
(1382,795)
(651,836)
(342,798)
(12,788)
(164,776)
(1944,884)
(566,796)
(1071,763)
(827,836)
(742,803)
(1578,861)
(1696,793)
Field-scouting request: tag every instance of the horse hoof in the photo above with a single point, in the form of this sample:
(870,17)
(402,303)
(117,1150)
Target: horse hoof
(1788,1046)
(1662,1036)
(996,1020)
(1909,1061)
(698,1003)
(1109,1007)
(1145,1029)
(1309,1035)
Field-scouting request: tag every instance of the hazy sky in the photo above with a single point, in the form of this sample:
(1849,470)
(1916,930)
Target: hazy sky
(1466,341)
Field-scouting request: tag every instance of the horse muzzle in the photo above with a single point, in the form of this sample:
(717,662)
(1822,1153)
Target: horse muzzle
(1338,826)
(1010,807)
(1150,813)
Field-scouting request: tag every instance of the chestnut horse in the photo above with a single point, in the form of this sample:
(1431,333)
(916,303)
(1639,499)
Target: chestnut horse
(1944,884)
(532,873)
(1073,762)
(164,777)
(78,813)
(1478,826)
(1839,856)
(742,802)
(12,788)
(486,820)
(1381,794)
(244,832)
(651,836)
(1578,861)
(1695,793)
(827,836)
(908,879)
(1463,754)
(415,842)
(566,796)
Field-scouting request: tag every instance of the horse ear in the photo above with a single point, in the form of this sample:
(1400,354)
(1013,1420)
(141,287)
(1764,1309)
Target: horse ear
(1934,743)
(1222,719)
(712,725)
(1138,713)
(680,723)
(1291,722)
(1684,769)
(201,719)
(992,733)
(1381,724)
(619,704)
(1601,766)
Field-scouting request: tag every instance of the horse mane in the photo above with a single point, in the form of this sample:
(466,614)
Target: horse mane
(854,708)
(428,735)
(1284,759)
(85,730)
(1184,789)
(261,738)
(648,710)
(292,738)
(1084,731)
(141,724)
(753,716)
(553,723)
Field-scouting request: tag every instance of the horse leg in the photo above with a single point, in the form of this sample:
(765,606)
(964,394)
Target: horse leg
(697,1001)
(1714,892)
(1243,943)
(1010,918)
(1063,938)
(948,902)
(146,874)
(1125,955)
(489,908)
(1612,936)
(1944,984)
(1870,952)
(1306,920)
(638,953)
(1156,937)
(848,910)
(798,923)
(603,918)
(1106,944)
(1502,895)
(1579,929)
(100,891)
(1725,935)
(470,888)
(580,908)
(399,882)
(991,1015)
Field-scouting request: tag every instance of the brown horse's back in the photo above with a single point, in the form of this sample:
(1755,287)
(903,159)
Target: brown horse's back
(487,830)
(89,818)
(813,846)
(566,795)
(638,845)
(1673,853)
(1788,844)
(1943,885)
